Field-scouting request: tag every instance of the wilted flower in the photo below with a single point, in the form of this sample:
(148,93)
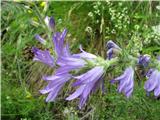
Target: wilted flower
(126,82)
(40,39)
(112,49)
(43,56)
(88,83)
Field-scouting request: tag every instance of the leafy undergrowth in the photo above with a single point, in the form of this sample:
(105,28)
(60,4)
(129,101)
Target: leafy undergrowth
(91,24)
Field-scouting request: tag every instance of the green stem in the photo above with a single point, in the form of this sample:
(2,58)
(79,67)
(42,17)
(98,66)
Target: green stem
(49,33)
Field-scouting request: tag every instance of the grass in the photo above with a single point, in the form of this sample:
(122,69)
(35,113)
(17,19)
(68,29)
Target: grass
(21,77)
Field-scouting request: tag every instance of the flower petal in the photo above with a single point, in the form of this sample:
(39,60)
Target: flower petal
(77,93)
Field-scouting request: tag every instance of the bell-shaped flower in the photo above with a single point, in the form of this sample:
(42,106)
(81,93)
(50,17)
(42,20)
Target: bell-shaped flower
(113,49)
(144,60)
(60,48)
(67,62)
(55,84)
(43,56)
(87,83)
(153,83)
(126,82)
(50,22)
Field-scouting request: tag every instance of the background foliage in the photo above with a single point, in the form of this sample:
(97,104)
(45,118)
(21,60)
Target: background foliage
(91,24)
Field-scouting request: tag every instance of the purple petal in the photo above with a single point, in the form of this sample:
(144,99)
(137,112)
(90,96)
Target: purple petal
(150,71)
(61,49)
(126,82)
(52,95)
(65,69)
(144,60)
(82,102)
(128,94)
(112,81)
(87,89)
(71,61)
(76,94)
(111,44)
(66,51)
(152,82)
(89,76)
(52,86)
(52,23)
(56,39)
(62,37)
(110,53)
(40,39)
(157,91)
(53,77)
(43,56)
(55,86)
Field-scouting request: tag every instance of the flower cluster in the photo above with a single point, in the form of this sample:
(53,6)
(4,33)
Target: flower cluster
(66,62)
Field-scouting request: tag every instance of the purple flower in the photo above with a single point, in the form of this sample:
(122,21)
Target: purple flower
(40,39)
(60,48)
(112,49)
(153,83)
(150,71)
(126,82)
(111,44)
(84,54)
(61,76)
(50,22)
(43,56)
(65,58)
(67,62)
(56,82)
(63,52)
(71,61)
(76,60)
(88,82)
(144,60)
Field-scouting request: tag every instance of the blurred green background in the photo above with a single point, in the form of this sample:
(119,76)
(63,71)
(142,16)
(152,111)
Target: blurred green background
(90,24)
